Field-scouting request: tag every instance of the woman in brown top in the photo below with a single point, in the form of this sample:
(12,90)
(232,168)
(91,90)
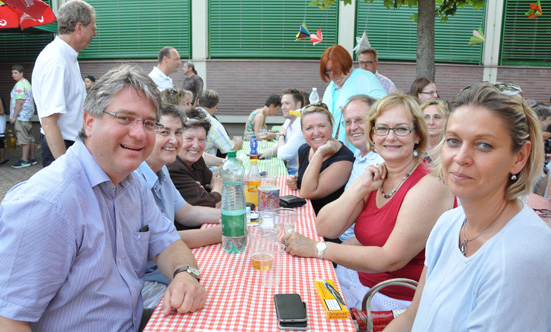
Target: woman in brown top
(190,174)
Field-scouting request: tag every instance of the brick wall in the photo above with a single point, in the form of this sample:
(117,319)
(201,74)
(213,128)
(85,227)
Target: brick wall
(534,81)
(244,85)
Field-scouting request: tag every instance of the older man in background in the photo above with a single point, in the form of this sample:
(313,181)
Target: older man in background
(58,88)
(355,113)
(369,60)
(168,63)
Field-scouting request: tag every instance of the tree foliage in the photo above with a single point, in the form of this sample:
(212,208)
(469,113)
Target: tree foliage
(444,9)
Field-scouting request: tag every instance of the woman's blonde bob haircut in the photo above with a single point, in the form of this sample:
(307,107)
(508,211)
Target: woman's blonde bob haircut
(441,105)
(522,125)
(412,106)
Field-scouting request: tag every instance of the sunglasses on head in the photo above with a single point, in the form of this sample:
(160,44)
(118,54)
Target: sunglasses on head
(509,89)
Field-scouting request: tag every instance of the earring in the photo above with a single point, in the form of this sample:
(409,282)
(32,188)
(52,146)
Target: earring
(513,177)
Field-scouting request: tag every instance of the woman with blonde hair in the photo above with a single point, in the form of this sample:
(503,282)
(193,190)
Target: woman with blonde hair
(178,97)
(435,112)
(393,206)
(324,163)
(487,265)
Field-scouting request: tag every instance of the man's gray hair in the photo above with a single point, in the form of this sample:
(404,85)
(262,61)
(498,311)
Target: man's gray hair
(72,12)
(103,92)
(364,98)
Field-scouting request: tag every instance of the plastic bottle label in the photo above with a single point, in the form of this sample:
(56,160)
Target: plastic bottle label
(233,223)
(253,186)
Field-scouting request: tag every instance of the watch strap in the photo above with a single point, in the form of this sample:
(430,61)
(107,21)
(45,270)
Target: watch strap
(186,268)
(321,250)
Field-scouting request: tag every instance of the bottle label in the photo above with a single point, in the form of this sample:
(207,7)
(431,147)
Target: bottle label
(233,223)
(253,186)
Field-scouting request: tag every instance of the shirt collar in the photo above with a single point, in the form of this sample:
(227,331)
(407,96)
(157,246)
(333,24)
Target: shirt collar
(96,175)
(66,48)
(151,178)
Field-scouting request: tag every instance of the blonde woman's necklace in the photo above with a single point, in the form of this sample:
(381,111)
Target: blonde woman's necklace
(399,185)
(463,246)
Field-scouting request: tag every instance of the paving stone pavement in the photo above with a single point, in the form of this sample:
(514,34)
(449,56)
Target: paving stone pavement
(9,176)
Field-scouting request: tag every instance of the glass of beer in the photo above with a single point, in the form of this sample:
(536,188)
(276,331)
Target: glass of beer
(271,270)
(261,246)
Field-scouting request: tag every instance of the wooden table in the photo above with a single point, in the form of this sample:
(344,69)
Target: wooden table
(236,299)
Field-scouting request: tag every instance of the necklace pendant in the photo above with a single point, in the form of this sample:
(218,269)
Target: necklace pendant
(463,247)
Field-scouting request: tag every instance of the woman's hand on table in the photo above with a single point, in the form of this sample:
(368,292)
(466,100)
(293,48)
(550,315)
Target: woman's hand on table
(185,294)
(299,245)
(292,182)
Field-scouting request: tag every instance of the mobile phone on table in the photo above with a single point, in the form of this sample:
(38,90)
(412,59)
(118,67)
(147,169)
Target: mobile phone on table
(295,326)
(289,308)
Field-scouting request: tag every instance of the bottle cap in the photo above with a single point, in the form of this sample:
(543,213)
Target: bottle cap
(254,136)
(231,154)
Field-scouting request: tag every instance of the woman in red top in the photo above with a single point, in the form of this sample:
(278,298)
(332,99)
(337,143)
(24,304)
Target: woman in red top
(394,205)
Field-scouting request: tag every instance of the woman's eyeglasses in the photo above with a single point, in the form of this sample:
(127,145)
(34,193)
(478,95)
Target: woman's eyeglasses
(398,131)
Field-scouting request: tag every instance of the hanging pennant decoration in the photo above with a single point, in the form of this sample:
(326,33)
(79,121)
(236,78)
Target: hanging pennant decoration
(477,38)
(317,38)
(303,32)
(362,44)
(535,10)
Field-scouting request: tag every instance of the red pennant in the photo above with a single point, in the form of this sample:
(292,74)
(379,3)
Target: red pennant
(8,17)
(46,18)
(34,8)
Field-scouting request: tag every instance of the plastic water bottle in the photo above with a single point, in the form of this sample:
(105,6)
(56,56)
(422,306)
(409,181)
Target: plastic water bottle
(314,97)
(254,148)
(234,223)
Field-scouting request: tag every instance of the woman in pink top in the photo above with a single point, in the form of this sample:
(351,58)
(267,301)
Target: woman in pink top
(394,206)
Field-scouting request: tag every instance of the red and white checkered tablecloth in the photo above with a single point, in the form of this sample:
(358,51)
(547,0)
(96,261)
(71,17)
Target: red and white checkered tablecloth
(236,299)
(539,202)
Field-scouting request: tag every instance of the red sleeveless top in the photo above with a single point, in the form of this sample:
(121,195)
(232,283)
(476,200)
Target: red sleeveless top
(373,227)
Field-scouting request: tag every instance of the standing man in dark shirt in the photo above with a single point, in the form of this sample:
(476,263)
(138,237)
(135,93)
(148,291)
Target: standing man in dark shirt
(192,82)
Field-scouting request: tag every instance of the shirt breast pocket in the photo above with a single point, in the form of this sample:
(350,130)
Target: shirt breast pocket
(138,251)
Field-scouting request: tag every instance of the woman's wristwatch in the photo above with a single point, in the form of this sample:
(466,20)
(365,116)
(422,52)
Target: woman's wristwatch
(321,246)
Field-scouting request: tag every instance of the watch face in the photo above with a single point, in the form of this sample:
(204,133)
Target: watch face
(194,272)
(321,245)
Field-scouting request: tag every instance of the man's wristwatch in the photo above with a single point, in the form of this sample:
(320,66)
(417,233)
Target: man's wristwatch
(321,246)
(189,269)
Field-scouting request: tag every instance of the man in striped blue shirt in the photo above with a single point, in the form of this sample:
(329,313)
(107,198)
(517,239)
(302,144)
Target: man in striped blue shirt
(77,235)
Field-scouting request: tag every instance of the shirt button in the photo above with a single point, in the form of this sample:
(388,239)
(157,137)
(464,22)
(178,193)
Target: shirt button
(120,261)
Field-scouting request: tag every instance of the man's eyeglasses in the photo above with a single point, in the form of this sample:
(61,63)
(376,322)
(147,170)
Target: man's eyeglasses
(366,63)
(398,131)
(131,121)
(509,89)
(350,122)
